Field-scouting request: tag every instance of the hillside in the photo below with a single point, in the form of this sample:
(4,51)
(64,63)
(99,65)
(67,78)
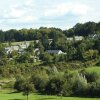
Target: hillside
(52,61)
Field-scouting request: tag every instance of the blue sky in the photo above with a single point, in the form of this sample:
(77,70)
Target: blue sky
(63,14)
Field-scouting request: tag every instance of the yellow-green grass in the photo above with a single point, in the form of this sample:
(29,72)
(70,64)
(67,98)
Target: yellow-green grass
(17,43)
(94,69)
(8,95)
(89,69)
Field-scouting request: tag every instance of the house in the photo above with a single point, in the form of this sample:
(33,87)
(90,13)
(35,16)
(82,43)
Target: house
(58,52)
(15,48)
(94,36)
(20,48)
(11,48)
(7,50)
(77,38)
(24,45)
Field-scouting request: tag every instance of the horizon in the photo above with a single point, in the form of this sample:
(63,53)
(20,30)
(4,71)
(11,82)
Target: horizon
(34,14)
(45,27)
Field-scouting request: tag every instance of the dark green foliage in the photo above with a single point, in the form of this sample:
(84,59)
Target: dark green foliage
(92,77)
(23,58)
(19,83)
(40,80)
(30,48)
(55,85)
(24,85)
(46,57)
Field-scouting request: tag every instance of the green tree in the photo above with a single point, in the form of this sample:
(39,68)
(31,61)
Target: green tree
(30,48)
(24,85)
(28,88)
(23,58)
(55,85)
(46,57)
(90,54)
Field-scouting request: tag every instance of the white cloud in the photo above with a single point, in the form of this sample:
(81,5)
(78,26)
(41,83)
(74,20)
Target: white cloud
(29,2)
(28,20)
(14,13)
(80,9)
(54,13)
(19,14)
(58,10)
(65,8)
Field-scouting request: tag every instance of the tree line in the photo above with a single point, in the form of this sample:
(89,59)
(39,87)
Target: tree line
(33,34)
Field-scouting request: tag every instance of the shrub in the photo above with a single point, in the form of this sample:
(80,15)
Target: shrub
(55,85)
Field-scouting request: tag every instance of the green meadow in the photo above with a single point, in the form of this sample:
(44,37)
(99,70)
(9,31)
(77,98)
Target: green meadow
(9,95)
(94,69)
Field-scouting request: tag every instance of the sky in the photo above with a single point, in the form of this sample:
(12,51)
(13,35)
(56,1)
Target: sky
(64,14)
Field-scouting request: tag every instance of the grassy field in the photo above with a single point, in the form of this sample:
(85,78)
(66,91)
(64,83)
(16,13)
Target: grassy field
(8,95)
(17,43)
(93,69)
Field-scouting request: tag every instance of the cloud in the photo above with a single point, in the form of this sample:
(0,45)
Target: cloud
(80,9)
(29,2)
(54,13)
(66,8)
(19,14)
(14,13)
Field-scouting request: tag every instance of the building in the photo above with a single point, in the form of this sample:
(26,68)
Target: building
(20,48)
(94,36)
(11,48)
(58,52)
(77,38)
(7,50)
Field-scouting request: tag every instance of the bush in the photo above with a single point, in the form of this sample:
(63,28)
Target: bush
(19,83)
(94,90)
(55,85)
(91,77)
(40,80)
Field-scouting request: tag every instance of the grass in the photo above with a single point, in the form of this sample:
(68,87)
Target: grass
(90,69)
(94,69)
(17,43)
(9,95)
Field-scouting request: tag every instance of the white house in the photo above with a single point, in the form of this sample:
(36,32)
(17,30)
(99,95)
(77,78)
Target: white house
(15,48)
(10,49)
(20,48)
(58,52)
(77,38)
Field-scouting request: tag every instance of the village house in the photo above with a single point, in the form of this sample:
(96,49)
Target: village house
(94,36)
(77,38)
(11,48)
(58,52)
(20,48)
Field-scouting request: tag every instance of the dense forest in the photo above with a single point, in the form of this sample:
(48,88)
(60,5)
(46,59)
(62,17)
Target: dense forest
(53,74)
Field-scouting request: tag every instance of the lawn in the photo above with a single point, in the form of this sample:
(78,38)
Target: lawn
(8,95)
(93,69)
(17,43)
